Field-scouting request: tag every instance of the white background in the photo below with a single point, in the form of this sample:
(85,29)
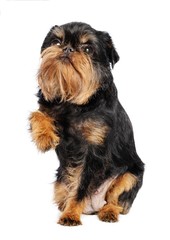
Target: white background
(141,33)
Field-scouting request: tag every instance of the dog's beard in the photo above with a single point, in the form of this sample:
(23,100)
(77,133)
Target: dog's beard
(70,78)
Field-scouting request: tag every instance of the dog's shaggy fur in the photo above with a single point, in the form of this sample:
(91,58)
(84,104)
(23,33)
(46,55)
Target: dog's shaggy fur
(81,117)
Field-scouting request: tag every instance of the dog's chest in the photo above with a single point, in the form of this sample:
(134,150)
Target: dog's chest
(93,131)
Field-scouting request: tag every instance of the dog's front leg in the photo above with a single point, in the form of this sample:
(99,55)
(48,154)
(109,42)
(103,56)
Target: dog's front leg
(72,212)
(66,196)
(43,131)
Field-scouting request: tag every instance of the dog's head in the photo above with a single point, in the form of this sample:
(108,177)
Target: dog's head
(74,58)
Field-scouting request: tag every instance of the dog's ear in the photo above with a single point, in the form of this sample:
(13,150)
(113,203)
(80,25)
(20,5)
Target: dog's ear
(110,49)
(48,39)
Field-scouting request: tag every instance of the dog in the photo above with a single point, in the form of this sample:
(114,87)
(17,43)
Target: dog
(81,118)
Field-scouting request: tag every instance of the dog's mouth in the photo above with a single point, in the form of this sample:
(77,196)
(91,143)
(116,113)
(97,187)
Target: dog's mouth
(64,58)
(68,62)
(70,77)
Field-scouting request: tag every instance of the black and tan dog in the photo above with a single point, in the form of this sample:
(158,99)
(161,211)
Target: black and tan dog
(81,117)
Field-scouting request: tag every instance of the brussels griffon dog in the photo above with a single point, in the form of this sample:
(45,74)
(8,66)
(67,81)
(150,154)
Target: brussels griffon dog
(81,117)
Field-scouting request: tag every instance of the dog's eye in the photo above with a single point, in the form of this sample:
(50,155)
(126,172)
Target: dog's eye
(56,42)
(88,49)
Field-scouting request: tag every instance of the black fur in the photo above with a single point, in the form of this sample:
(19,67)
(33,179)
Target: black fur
(118,153)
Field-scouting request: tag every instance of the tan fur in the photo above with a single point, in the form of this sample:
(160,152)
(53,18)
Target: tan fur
(43,131)
(93,131)
(59,32)
(65,195)
(65,190)
(112,209)
(109,213)
(72,212)
(85,38)
(60,195)
(123,183)
(72,79)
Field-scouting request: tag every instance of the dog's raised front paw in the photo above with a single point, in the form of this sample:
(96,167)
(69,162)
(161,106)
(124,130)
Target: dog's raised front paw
(43,131)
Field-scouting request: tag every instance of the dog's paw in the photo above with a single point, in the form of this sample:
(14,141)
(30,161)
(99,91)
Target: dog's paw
(45,142)
(109,213)
(43,131)
(108,216)
(69,220)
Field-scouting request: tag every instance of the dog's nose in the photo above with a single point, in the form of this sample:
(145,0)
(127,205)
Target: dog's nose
(68,50)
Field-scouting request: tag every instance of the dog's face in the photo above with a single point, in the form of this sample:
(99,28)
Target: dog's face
(75,57)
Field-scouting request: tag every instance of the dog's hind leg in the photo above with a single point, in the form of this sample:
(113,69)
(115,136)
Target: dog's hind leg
(123,186)
(127,197)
